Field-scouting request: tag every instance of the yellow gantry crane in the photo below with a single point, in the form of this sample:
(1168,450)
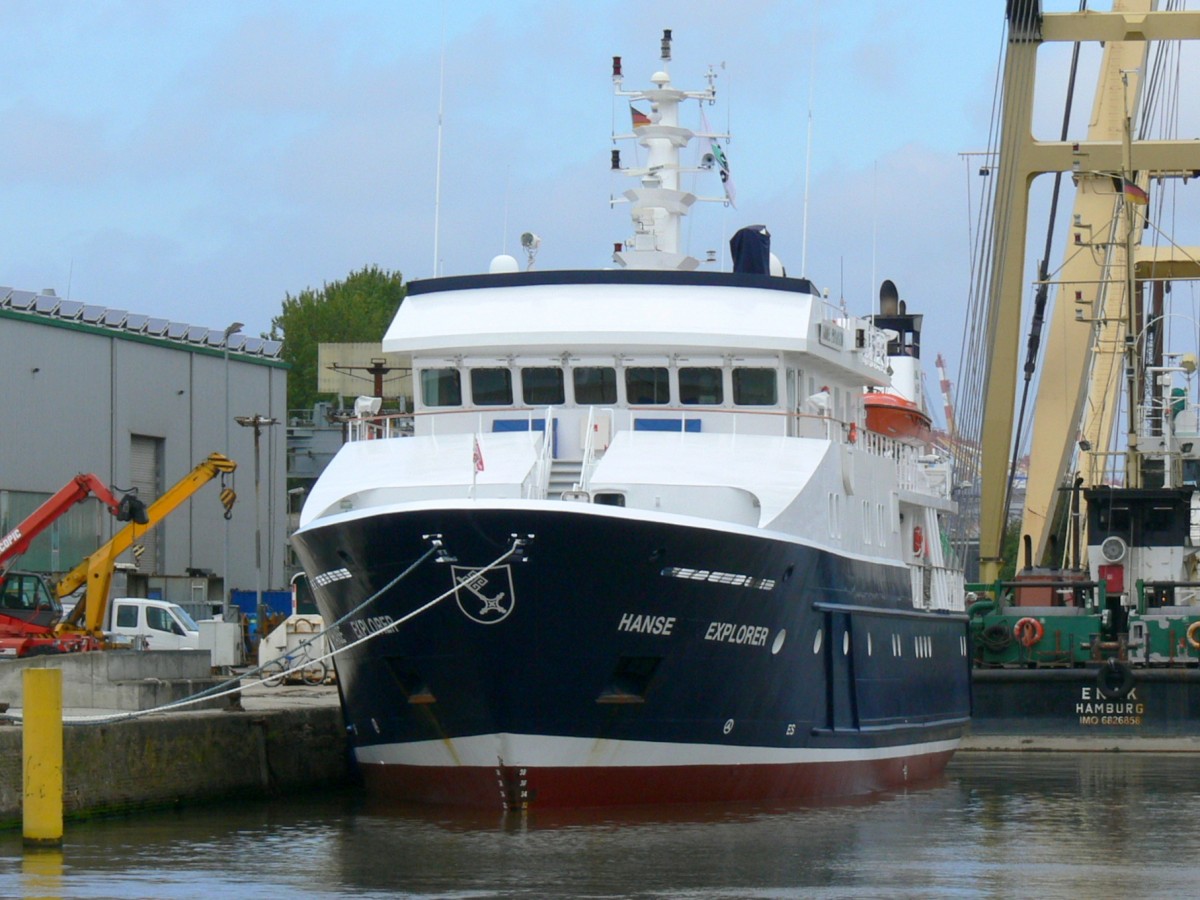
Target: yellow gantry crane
(97,569)
(1082,354)
(1082,364)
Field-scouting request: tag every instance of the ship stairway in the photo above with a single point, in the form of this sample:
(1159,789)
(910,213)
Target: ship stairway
(564,475)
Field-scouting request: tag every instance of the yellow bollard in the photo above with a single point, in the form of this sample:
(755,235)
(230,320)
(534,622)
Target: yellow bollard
(42,873)
(42,740)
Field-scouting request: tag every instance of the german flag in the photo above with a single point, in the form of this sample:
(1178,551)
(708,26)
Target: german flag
(1134,194)
(640,119)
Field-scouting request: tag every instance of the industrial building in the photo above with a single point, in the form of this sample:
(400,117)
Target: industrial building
(139,401)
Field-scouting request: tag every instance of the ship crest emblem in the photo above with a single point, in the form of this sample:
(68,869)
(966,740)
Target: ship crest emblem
(484,597)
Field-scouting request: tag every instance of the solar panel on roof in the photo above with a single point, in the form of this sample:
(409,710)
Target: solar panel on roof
(136,322)
(252,345)
(115,318)
(272,348)
(176,330)
(93,313)
(21,299)
(197,334)
(156,326)
(236,341)
(45,304)
(69,309)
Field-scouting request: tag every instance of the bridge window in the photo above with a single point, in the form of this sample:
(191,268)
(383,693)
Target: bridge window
(491,387)
(542,386)
(754,387)
(441,387)
(700,385)
(595,385)
(647,385)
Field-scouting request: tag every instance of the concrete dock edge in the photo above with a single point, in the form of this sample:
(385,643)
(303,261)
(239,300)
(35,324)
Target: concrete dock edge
(172,758)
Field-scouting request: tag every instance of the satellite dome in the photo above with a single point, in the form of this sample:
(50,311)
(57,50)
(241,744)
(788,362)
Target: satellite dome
(503,265)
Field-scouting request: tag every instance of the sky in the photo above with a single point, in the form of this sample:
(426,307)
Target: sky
(202,161)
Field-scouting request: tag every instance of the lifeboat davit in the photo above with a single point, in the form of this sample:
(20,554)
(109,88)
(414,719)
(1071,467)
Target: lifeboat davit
(897,417)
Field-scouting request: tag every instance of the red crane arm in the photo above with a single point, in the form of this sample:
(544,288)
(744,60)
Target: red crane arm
(75,491)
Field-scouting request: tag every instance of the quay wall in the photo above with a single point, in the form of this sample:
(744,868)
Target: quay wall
(176,758)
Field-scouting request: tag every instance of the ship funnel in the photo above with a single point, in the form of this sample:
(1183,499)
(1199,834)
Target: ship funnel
(889,298)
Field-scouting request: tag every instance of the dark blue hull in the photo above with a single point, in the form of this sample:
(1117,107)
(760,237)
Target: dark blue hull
(1096,702)
(625,658)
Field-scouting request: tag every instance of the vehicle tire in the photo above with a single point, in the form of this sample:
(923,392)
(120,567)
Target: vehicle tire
(996,637)
(314,673)
(1114,680)
(272,673)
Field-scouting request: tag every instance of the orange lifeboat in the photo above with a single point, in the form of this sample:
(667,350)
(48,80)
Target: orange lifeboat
(897,417)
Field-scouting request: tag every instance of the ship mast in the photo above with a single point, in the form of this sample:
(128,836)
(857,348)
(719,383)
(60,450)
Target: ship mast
(658,204)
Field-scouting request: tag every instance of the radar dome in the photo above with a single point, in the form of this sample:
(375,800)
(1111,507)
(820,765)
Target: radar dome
(503,265)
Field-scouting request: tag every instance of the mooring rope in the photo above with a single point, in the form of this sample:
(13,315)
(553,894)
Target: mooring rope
(235,686)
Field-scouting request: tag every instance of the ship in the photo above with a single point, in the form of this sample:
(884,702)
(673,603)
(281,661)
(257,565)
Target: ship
(1096,634)
(637,543)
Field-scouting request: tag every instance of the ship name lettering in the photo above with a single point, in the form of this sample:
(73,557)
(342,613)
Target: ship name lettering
(1090,693)
(646,624)
(363,627)
(1109,709)
(732,633)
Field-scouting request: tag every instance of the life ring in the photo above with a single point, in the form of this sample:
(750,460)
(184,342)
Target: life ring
(853,435)
(918,540)
(1028,631)
(1193,635)
(1114,680)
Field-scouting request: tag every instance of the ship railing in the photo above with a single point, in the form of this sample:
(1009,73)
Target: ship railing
(1064,593)
(592,431)
(910,467)
(370,428)
(937,588)
(1103,467)
(856,334)
(545,458)
(623,419)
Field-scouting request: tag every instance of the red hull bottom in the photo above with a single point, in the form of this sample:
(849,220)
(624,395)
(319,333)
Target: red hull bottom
(510,787)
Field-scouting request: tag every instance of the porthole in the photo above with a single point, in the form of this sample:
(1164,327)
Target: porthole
(779,639)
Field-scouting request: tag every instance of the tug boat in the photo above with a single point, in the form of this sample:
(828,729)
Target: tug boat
(638,544)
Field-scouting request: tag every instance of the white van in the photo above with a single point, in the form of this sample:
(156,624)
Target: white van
(152,624)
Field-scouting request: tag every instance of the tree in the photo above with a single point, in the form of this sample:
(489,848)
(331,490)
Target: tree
(358,309)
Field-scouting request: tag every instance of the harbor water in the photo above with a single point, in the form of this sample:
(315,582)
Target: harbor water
(1031,824)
